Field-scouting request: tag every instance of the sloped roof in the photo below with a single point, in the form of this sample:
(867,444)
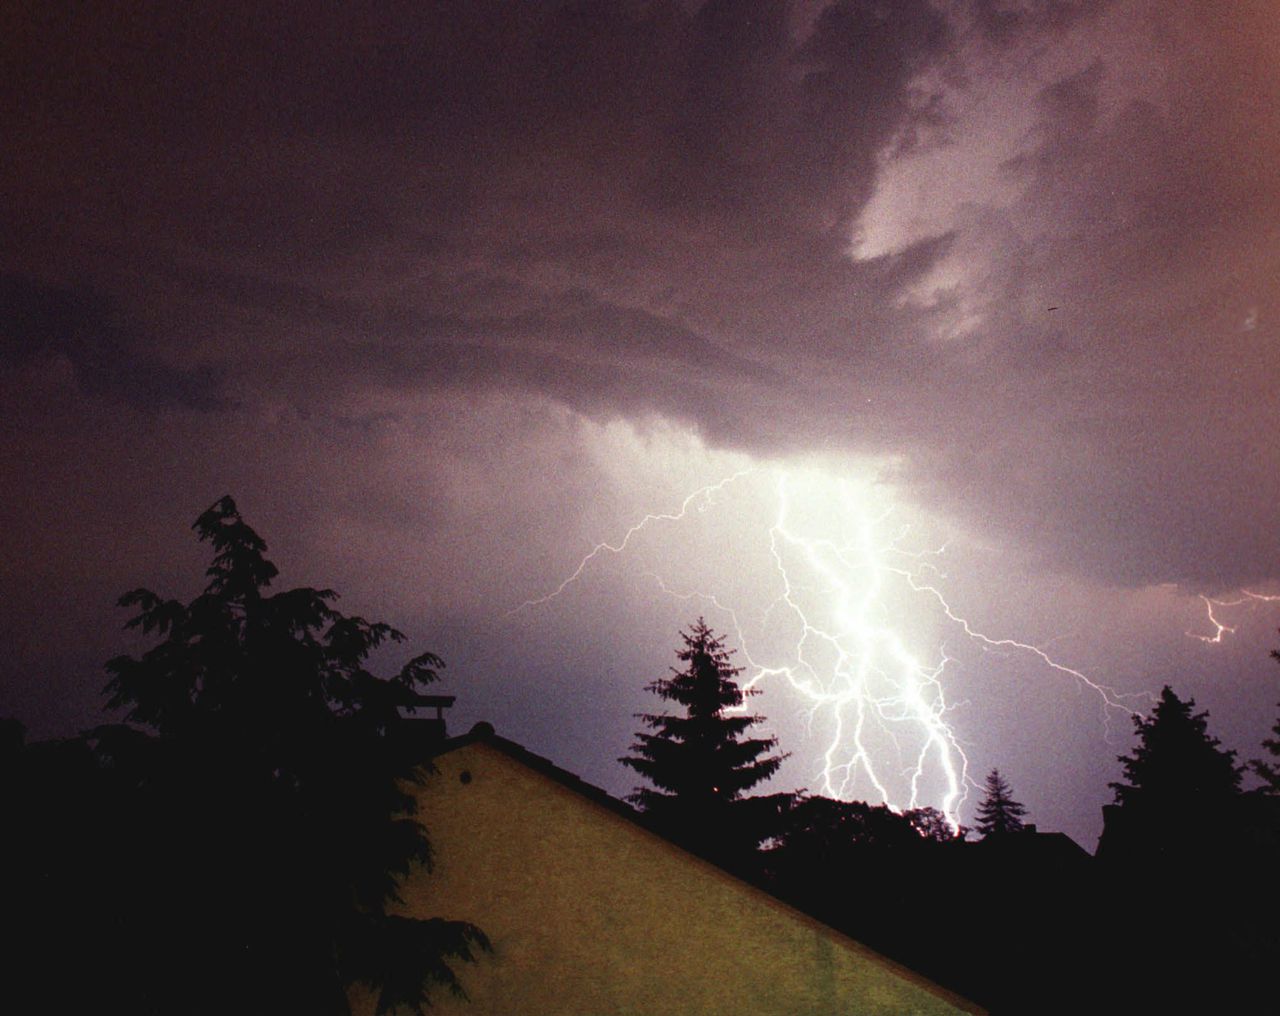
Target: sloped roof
(484,733)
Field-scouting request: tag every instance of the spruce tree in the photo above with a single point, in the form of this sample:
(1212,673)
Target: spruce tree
(1178,839)
(700,761)
(999,813)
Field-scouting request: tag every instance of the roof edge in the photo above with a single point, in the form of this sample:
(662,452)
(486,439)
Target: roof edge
(483,733)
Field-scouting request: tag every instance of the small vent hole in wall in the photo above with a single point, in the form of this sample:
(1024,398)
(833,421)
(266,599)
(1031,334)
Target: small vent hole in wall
(465,776)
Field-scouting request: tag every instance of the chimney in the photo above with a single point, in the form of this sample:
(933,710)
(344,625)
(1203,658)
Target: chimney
(421,730)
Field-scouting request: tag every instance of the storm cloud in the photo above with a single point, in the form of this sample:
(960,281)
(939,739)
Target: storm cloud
(379,268)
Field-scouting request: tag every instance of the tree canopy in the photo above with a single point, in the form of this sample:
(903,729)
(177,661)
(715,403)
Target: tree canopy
(269,793)
(821,832)
(1181,789)
(1177,766)
(700,762)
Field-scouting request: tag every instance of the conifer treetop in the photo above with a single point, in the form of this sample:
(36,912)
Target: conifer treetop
(999,813)
(699,761)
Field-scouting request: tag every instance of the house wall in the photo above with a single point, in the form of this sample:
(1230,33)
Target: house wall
(589,913)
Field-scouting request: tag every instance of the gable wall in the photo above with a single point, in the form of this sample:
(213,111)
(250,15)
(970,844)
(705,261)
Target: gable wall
(588,913)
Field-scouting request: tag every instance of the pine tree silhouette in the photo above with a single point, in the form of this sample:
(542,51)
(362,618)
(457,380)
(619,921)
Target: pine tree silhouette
(1177,767)
(700,762)
(999,813)
(1182,789)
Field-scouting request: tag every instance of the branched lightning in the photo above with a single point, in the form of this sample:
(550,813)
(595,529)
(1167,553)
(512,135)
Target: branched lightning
(701,497)
(841,609)
(849,660)
(1221,628)
(1111,699)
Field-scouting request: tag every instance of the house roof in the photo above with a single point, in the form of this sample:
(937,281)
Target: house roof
(484,733)
(1032,845)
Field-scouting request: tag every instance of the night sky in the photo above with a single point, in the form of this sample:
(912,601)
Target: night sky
(981,295)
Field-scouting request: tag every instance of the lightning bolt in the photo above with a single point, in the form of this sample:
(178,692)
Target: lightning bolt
(1221,628)
(871,677)
(701,497)
(1110,698)
(841,595)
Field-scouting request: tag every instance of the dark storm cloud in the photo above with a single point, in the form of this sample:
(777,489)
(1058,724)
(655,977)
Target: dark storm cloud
(42,324)
(1136,448)
(593,355)
(287,300)
(445,293)
(1002,21)
(552,146)
(641,208)
(597,358)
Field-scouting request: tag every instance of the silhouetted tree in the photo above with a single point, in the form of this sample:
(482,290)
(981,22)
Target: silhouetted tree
(874,873)
(1270,771)
(824,830)
(933,825)
(821,835)
(269,813)
(58,816)
(699,761)
(1181,787)
(999,813)
(1181,824)
(1177,767)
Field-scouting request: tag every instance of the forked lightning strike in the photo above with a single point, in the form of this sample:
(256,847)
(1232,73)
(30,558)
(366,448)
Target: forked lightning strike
(860,667)
(1111,698)
(883,704)
(701,494)
(1221,628)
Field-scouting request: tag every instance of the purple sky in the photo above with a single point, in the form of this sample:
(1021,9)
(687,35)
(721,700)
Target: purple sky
(446,295)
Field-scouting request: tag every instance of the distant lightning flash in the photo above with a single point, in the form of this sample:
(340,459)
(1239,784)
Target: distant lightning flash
(701,496)
(843,588)
(1110,698)
(1221,628)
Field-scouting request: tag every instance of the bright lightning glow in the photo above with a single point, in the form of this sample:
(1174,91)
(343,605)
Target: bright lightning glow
(851,660)
(852,620)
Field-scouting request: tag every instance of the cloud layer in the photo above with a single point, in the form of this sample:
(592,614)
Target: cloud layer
(648,208)
(378,269)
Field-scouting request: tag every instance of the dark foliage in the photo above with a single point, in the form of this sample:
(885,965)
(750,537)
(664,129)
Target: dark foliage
(700,761)
(1270,771)
(1181,787)
(236,844)
(887,879)
(999,813)
(820,833)
(933,825)
(1183,834)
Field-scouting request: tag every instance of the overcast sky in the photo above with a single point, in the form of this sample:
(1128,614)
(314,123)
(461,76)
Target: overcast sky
(447,295)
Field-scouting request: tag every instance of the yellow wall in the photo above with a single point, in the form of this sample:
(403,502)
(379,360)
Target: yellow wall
(590,914)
